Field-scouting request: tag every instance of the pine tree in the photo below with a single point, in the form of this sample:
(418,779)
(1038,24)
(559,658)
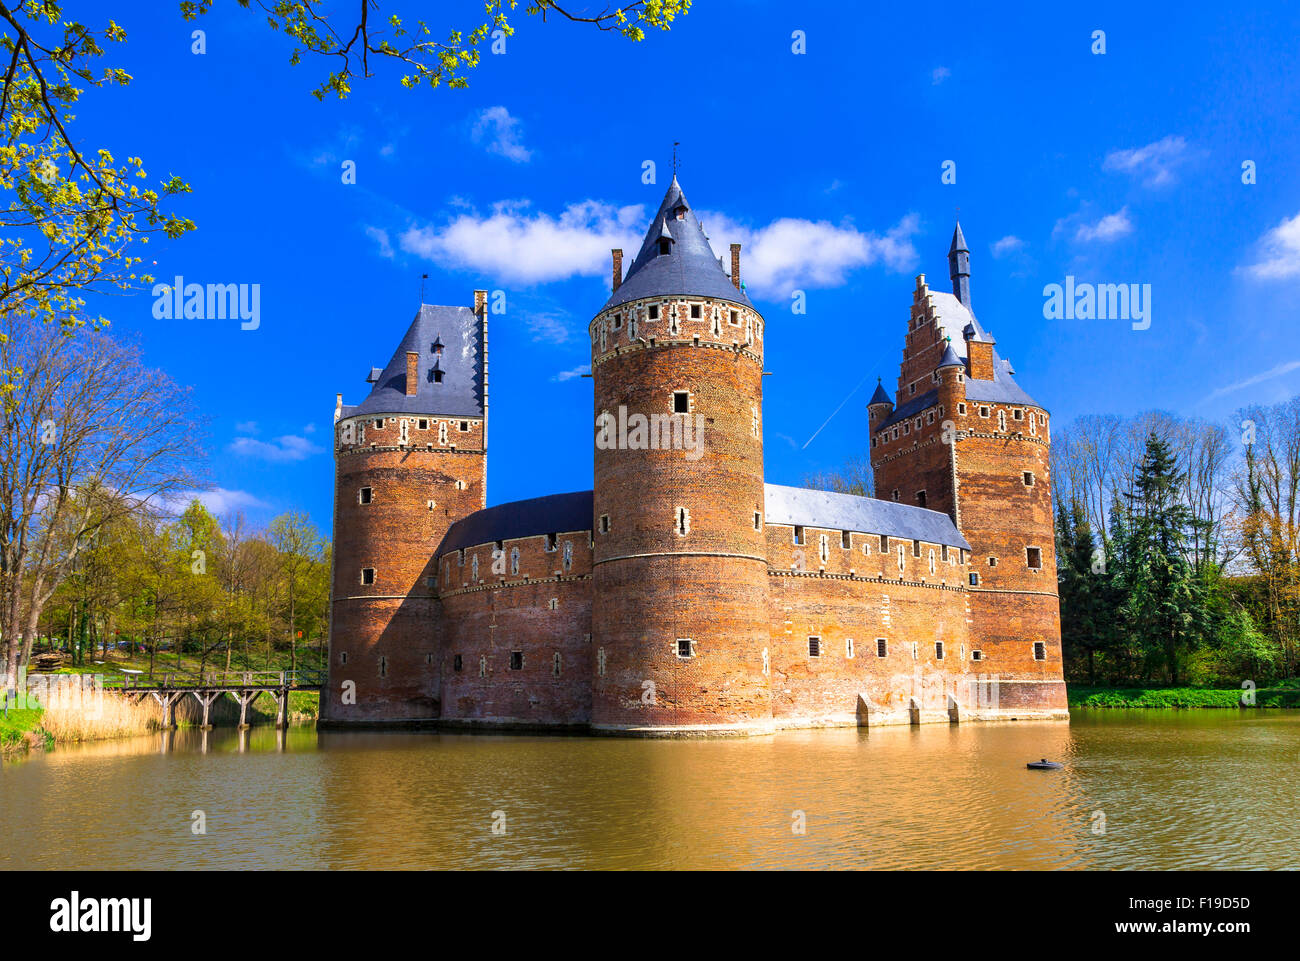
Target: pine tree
(1163,599)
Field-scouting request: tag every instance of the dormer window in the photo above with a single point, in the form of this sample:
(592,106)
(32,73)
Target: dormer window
(680,212)
(665,246)
(437,345)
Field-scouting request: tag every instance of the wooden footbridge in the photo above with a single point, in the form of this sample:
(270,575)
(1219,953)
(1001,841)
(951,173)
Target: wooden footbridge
(244,686)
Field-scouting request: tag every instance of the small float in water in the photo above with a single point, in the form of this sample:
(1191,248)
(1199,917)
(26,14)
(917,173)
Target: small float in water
(1044,765)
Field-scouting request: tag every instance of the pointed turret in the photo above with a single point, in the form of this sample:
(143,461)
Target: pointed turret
(950,358)
(880,396)
(959,267)
(675,259)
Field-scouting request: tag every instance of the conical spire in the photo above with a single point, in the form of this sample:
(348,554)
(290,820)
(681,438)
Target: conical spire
(879,397)
(675,258)
(959,267)
(950,357)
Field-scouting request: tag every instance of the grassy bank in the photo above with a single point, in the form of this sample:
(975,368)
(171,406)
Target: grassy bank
(21,731)
(1286,694)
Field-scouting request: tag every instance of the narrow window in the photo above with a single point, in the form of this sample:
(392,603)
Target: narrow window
(1018,414)
(1002,420)
(367,575)
(943,553)
(901,559)
(823,548)
(665,246)
(464,426)
(553,604)
(551,542)
(482,665)
(442,432)
(977,655)
(365,496)
(848,647)
(343,657)
(695,311)
(604,523)
(600,661)
(916,548)
(932,560)
(379,423)
(984,411)
(683,521)
(734,318)
(473,568)
(758,521)
(1034,556)
(514,561)
(974,579)
(916,652)
(685,647)
(884,544)
(993,562)
(938,650)
(457,663)
(846,540)
(814,647)
(681,402)
(653,311)
(882,647)
(383,666)
(437,376)
(556,664)
(961,409)
(1040,651)
(516,660)
(798,534)
(920,498)
(567,559)
(1028,478)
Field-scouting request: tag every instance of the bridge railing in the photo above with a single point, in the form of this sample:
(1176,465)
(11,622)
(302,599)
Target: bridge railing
(176,680)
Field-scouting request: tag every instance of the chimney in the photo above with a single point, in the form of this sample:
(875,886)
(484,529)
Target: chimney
(735,265)
(618,268)
(412,372)
(338,407)
(480,303)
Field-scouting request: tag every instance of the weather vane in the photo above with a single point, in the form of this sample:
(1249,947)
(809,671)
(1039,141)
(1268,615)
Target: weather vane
(676,144)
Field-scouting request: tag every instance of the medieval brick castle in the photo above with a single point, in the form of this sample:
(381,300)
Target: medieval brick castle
(682,594)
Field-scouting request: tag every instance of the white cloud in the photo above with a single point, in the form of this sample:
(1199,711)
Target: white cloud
(570,374)
(939,75)
(1154,163)
(1277,371)
(501,133)
(1007,245)
(551,327)
(219,501)
(309,429)
(283,449)
(380,237)
(513,244)
(1111,227)
(794,253)
(1281,252)
(246,427)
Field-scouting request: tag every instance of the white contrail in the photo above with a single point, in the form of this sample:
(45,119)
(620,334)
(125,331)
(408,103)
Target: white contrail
(834,412)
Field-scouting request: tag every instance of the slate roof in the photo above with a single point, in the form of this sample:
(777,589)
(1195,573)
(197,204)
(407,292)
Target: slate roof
(563,513)
(552,514)
(460,394)
(847,512)
(690,268)
(880,396)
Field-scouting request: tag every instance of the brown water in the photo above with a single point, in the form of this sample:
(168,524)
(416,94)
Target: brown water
(1194,789)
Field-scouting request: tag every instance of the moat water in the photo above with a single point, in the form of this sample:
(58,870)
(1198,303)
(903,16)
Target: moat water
(1140,789)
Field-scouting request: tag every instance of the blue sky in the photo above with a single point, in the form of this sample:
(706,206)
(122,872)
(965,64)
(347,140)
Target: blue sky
(1117,168)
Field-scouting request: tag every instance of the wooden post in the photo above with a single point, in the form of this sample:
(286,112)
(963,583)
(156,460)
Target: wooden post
(282,707)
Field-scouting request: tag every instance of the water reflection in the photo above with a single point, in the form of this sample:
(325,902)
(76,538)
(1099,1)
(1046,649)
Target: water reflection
(1140,789)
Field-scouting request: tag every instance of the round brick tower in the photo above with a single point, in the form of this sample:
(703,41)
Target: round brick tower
(410,460)
(679,613)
